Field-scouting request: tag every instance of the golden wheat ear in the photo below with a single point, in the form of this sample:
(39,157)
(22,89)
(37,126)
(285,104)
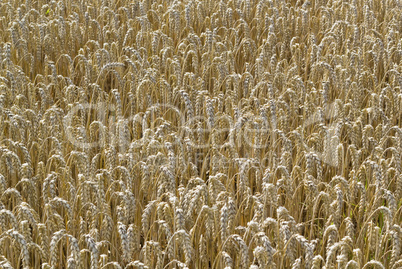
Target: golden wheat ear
(200,134)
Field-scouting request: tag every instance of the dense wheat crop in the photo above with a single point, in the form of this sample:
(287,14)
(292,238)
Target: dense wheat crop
(200,134)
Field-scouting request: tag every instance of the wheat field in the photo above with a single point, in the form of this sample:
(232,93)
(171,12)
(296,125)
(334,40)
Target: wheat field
(201,134)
